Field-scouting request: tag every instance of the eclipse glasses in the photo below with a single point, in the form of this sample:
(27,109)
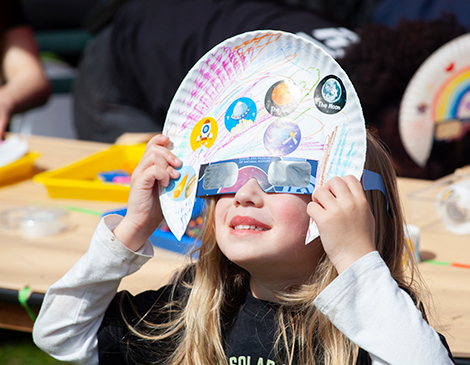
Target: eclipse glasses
(273,174)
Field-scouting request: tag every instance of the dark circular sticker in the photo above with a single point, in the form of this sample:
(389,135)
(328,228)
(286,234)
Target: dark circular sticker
(282,98)
(330,95)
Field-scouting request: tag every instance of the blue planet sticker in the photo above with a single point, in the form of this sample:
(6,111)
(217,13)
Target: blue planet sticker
(282,137)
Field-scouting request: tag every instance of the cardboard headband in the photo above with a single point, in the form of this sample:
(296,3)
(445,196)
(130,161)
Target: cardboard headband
(270,105)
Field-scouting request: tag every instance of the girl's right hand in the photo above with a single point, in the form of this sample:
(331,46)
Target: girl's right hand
(157,166)
(344,220)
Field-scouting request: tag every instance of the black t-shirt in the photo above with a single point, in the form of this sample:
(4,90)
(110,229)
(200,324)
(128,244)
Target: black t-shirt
(248,336)
(154,43)
(11,15)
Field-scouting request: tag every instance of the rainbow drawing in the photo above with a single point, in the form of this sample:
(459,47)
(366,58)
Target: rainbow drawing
(438,94)
(452,99)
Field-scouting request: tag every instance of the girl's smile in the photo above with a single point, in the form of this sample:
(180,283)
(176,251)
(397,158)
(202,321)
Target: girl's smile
(242,225)
(265,234)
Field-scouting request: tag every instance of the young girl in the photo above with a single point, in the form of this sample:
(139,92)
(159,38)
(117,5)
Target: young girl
(256,294)
(251,119)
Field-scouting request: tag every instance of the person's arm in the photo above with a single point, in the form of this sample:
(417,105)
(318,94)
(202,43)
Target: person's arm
(74,306)
(25,84)
(367,305)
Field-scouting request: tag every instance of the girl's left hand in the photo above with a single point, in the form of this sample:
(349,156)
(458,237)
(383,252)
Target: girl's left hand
(344,220)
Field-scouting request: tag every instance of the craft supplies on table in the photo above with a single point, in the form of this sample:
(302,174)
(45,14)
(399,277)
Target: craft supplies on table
(80,180)
(16,161)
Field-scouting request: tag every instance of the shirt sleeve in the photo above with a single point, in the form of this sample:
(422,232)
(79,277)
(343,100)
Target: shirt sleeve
(367,305)
(74,306)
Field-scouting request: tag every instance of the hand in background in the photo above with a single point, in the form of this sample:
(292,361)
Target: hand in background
(25,83)
(5,113)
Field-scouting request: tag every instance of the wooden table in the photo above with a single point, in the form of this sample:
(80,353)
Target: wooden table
(40,262)
(449,286)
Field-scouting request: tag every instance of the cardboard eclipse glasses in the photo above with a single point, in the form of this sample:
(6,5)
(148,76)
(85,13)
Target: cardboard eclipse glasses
(273,174)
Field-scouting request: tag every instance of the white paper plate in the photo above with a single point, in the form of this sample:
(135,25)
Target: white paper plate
(262,93)
(12,149)
(438,92)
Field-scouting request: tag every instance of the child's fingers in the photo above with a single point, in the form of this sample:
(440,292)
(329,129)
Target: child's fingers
(157,154)
(354,185)
(315,209)
(331,193)
(155,172)
(158,139)
(323,197)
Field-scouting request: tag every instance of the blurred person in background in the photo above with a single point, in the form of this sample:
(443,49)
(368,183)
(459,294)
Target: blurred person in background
(134,66)
(23,82)
(144,48)
(380,67)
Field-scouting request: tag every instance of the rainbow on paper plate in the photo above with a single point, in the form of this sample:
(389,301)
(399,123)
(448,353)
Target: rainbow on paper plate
(262,94)
(436,102)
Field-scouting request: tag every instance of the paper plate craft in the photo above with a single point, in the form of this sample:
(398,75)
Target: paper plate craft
(12,149)
(436,102)
(267,105)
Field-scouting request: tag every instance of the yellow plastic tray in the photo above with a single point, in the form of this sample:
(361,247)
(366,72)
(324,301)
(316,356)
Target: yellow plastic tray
(79,180)
(19,170)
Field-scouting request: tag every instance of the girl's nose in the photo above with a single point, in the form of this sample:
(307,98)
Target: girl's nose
(249,194)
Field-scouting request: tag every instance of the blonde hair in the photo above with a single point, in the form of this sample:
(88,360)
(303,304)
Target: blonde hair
(216,289)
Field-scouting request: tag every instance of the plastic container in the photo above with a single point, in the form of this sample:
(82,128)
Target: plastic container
(19,170)
(33,222)
(80,179)
(430,206)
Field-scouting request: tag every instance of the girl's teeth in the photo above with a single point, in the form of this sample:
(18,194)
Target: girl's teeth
(251,228)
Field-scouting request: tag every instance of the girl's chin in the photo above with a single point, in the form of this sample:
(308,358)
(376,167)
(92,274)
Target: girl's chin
(246,232)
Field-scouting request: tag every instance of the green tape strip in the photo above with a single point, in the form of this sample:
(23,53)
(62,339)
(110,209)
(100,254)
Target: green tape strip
(440,263)
(23,296)
(70,208)
(84,211)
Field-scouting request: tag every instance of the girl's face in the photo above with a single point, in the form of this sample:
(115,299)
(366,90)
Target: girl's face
(265,233)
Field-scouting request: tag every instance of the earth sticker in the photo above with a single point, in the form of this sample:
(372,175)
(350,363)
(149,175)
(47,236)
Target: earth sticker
(330,95)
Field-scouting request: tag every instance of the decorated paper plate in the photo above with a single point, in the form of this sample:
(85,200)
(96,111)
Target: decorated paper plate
(12,149)
(436,103)
(260,97)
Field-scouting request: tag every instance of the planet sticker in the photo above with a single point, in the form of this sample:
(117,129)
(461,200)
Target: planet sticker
(245,174)
(330,95)
(240,115)
(282,98)
(282,137)
(181,188)
(204,134)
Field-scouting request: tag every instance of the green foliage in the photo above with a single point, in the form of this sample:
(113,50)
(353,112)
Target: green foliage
(18,348)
